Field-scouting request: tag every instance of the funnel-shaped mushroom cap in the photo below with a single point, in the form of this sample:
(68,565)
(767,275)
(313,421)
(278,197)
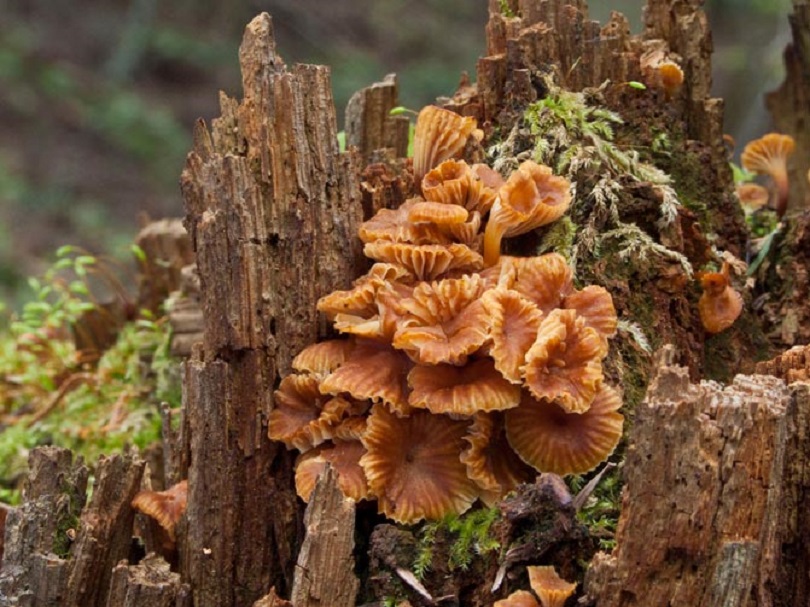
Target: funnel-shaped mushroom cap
(551,440)
(412,465)
(671,76)
(445,321)
(297,405)
(514,321)
(719,305)
(490,460)
(752,196)
(544,280)
(438,213)
(595,305)
(552,590)
(519,598)
(439,135)
(390,300)
(359,301)
(166,507)
(393,225)
(530,198)
(320,359)
(344,457)
(374,372)
(565,362)
(466,390)
(425,262)
(768,155)
(455,182)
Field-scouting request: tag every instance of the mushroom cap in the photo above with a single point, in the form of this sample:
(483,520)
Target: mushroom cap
(322,358)
(564,363)
(519,598)
(551,440)
(595,305)
(718,312)
(530,198)
(358,301)
(544,280)
(425,262)
(671,77)
(768,154)
(514,321)
(445,321)
(412,465)
(166,507)
(552,590)
(752,196)
(298,405)
(393,225)
(439,135)
(490,460)
(344,457)
(455,182)
(466,390)
(375,372)
(438,213)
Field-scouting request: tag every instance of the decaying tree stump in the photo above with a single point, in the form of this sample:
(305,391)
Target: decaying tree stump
(272,209)
(712,513)
(369,125)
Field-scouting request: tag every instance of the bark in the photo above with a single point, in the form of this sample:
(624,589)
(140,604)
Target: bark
(369,124)
(167,250)
(709,511)
(788,104)
(272,210)
(324,574)
(147,584)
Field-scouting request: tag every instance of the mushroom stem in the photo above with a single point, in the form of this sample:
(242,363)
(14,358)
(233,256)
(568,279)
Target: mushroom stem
(780,179)
(492,239)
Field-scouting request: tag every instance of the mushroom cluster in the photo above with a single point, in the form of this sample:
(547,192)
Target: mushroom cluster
(462,371)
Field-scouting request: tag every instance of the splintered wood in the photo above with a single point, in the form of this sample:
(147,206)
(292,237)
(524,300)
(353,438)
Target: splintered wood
(711,511)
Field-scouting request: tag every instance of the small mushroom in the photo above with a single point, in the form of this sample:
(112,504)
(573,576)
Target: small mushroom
(530,198)
(752,196)
(476,386)
(550,588)
(595,305)
(165,507)
(320,359)
(544,280)
(519,598)
(455,182)
(344,457)
(551,440)
(514,321)
(768,155)
(412,465)
(719,305)
(425,262)
(661,72)
(564,363)
(439,135)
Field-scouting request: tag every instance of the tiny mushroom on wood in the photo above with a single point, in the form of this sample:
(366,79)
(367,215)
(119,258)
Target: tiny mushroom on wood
(550,588)
(719,305)
(768,156)
(459,379)
(165,507)
(752,196)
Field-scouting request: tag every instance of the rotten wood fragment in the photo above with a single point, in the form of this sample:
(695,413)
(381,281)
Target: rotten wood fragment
(150,583)
(712,477)
(324,573)
(369,124)
(167,250)
(791,366)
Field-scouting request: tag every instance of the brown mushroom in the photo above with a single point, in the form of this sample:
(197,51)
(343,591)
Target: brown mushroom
(661,72)
(530,198)
(719,305)
(544,279)
(439,135)
(551,440)
(564,363)
(514,321)
(476,386)
(550,588)
(320,359)
(768,155)
(445,321)
(165,507)
(455,182)
(752,196)
(519,598)
(412,465)
(490,460)
(425,262)
(595,305)
(344,457)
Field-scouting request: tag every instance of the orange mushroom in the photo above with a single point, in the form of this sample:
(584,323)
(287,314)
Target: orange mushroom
(660,71)
(412,465)
(165,507)
(439,135)
(768,155)
(549,439)
(550,588)
(476,386)
(530,198)
(445,321)
(514,321)
(425,262)
(595,305)
(719,305)
(455,182)
(320,359)
(752,196)
(564,363)
(297,404)
(519,598)
(344,457)
(544,280)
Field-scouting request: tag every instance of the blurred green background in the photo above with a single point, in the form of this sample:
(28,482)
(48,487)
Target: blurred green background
(98,97)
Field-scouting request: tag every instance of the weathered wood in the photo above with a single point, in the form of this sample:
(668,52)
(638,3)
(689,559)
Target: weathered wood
(4,511)
(792,366)
(271,599)
(167,250)
(272,209)
(34,570)
(369,123)
(150,583)
(104,533)
(712,476)
(324,574)
(788,104)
